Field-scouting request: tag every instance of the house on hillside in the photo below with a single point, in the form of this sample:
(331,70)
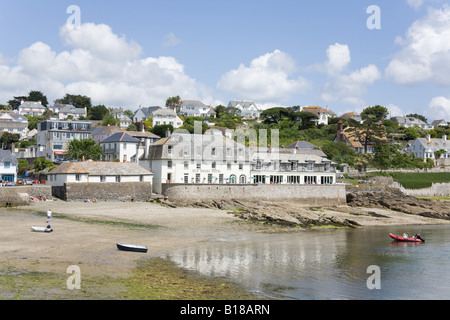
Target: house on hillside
(439,123)
(120,146)
(408,122)
(13,123)
(65,110)
(322,114)
(124,121)
(354,138)
(31,108)
(54,136)
(144,113)
(429,148)
(166,116)
(248,109)
(195,108)
(352,115)
(8,166)
(102,132)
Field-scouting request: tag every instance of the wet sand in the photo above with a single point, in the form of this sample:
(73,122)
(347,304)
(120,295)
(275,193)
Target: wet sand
(77,240)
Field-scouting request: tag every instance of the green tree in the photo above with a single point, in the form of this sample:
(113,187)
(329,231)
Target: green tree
(219,110)
(99,112)
(109,119)
(78,101)
(160,130)
(86,149)
(16,102)
(7,139)
(417,116)
(38,96)
(411,133)
(305,119)
(174,103)
(42,164)
(131,127)
(128,113)
(33,121)
(274,115)
(23,166)
(371,130)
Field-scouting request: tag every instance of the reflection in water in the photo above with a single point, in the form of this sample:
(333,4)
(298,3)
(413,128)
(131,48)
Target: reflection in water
(328,265)
(272,262)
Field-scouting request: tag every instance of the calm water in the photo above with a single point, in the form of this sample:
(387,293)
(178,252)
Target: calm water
(331,264)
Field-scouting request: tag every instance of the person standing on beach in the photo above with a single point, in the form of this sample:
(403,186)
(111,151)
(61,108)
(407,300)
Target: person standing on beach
(49,215)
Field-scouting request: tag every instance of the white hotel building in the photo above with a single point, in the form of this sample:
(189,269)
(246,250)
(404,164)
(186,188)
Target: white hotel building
(215,159)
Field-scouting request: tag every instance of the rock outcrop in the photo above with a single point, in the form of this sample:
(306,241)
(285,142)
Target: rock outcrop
(394,199)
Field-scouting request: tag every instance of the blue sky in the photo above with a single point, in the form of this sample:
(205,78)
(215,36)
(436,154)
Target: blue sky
(276,53)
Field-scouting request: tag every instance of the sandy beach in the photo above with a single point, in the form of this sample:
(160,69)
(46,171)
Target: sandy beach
(85,234)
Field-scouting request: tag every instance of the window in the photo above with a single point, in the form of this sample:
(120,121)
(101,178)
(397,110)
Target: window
(186,165)
(186,178)
(169,164)
(102,179)
(199,165)
(210,178)
(77,177)
(221,178)
(213,165)
(213,151)
(241,166)
(229,165)
(7,165)
(117,178)
(169,149)
(197,178)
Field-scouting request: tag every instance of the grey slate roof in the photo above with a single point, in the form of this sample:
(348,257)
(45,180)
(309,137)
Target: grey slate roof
(148,111)
(302,145)
(7,156)
(120,137)
(101,168)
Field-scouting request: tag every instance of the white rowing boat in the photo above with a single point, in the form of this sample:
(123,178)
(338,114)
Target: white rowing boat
(41,229)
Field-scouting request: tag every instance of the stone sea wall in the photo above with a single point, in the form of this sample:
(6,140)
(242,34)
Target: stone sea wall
(124,191)
(21,195)
(314,195)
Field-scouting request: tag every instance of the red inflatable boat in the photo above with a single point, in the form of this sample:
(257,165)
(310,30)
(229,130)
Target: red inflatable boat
(417,239)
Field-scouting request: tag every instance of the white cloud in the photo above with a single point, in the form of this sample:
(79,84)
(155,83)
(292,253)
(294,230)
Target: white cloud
(426,51)
(346,87)
(417,4)
(171,40)
(438,108)
(394,110)
(100,41)
(338,58)
(268,78)
(101,65)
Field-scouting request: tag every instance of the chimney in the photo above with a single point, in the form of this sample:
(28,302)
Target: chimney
(444,137)
(428,137)
(146,148)
(167,132)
